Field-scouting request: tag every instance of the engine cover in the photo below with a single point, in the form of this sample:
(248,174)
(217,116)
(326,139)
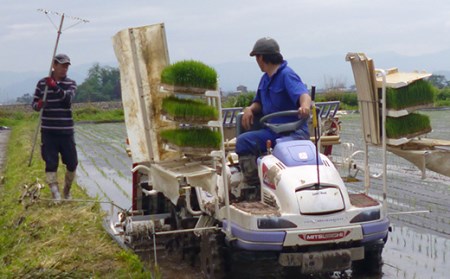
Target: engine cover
(320,201)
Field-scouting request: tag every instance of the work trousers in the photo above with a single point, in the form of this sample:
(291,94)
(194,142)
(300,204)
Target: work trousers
(55,144)
(254,142)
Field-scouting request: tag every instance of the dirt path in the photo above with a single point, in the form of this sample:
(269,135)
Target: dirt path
(4,137)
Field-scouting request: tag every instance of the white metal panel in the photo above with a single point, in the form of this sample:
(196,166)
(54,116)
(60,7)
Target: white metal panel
(311,201)
(142,55)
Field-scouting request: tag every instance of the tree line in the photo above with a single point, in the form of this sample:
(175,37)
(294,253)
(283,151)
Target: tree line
(103,84)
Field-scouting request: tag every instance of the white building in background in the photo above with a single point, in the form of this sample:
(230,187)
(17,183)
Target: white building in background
(241,88)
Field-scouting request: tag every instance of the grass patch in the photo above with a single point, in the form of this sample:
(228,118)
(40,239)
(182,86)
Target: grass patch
(195,137)
(97,115)
(88,113)
(48,240)
(418,93)
(11,118)
(190,73)
(189,109)
(407,125)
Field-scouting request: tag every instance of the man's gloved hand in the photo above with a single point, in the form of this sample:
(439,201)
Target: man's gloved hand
(40,104)
(37,106)
(51,83)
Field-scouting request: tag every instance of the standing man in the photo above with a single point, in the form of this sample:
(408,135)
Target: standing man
(57,131)
(280,89)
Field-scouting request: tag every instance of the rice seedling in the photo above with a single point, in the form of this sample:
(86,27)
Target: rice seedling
(190,73)
(108,152)
(418,93)
(120,188)
(101,190)
(411,124)
(94,163)
(195,137)
(82,171)
(188,110)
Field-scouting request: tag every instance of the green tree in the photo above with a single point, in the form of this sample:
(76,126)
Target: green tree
(102,84)
(438,81)
(444,94)
(240,100)
(25,99)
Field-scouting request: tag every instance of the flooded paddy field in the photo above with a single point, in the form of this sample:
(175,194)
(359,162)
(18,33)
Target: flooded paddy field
(418,246)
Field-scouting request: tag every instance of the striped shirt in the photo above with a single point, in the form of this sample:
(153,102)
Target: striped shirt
(57,111)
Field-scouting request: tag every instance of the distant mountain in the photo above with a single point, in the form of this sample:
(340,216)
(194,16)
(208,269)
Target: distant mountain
(443,73)
(313,71)
(14,84)
(316,71)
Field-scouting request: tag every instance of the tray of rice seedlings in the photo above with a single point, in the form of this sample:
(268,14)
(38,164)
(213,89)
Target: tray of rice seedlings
(409,126)
(188,110)
(189,76)
(417,94)
(194,140)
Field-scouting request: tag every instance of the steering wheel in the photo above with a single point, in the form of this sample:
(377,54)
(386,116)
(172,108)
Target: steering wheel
(280,128)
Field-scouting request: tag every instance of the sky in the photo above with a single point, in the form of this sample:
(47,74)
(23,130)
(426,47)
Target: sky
(217,32)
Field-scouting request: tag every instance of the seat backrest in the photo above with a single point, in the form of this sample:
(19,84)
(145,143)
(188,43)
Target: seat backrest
(367,92)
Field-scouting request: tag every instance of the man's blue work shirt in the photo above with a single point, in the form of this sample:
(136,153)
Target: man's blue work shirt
(281,92)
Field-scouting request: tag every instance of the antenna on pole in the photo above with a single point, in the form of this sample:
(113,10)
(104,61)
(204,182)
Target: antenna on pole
(74,18)
(44,98)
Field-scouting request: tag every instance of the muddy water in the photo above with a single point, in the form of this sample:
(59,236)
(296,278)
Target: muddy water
(418,246)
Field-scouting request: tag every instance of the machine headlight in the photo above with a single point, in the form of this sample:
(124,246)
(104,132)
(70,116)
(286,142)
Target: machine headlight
(366,216)
(275,223)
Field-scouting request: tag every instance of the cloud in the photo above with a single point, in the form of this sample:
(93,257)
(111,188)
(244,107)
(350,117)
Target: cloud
(225,31)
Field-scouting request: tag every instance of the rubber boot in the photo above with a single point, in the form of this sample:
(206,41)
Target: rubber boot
(52,180)
(249,169)
(68,180)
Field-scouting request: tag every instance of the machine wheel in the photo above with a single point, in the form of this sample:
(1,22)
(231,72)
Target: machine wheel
(372,263)
(183,246)
(212,255)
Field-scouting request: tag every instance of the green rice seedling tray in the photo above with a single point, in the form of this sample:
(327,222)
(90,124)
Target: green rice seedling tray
(189,76)
(417,94)
(188,110)
(408,126)
(193,138)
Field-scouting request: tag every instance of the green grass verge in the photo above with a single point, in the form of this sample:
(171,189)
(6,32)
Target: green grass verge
(11,118)
(97,115)
(46,240)
(195,137)
(88,113)
(418,93)
(406,125)
(53,241)
(190,73)
(189,109)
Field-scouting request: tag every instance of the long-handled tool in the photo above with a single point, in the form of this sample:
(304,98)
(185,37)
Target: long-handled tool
(44,98)
(315,123)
